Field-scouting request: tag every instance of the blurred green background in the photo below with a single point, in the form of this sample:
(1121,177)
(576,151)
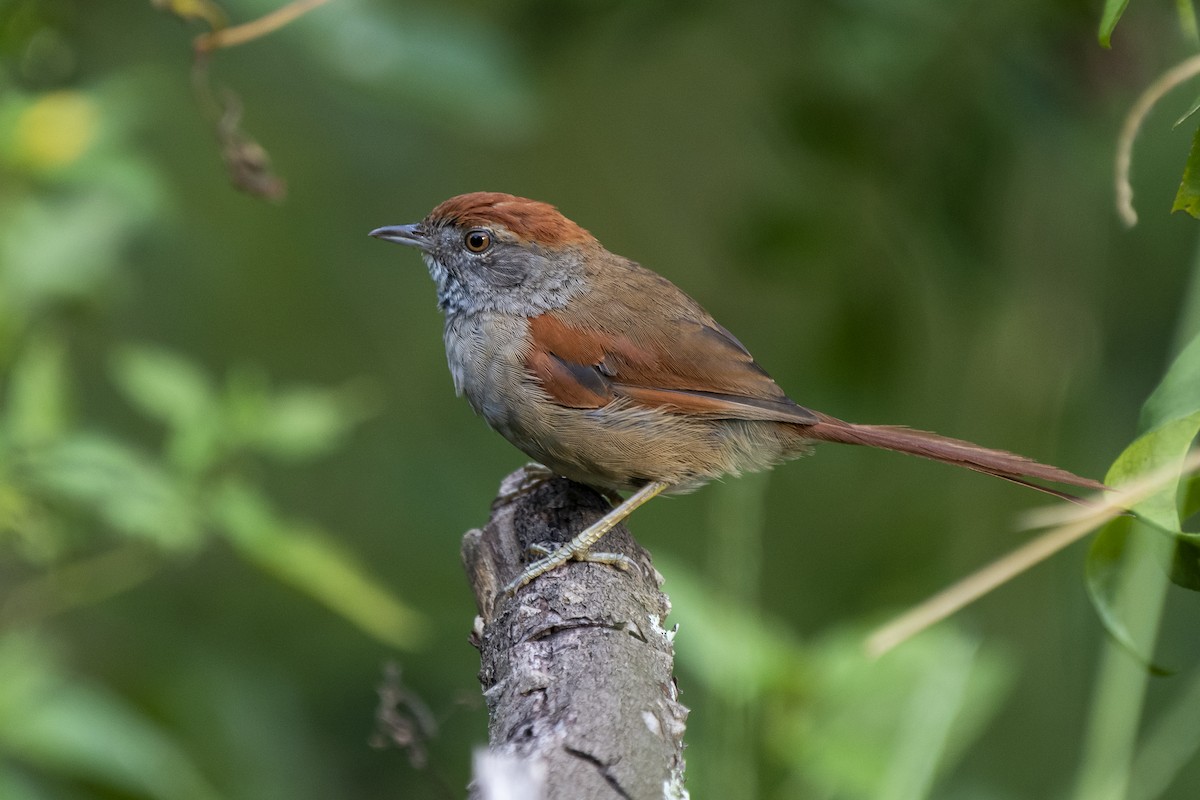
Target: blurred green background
(233,475)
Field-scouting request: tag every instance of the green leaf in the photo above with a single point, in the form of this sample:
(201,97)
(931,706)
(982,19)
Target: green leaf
(62,724)
(1168,744)
(305,422)
(889,727)
(869,728)
(1190,502)
(1185,565)
(162,384)
(294,423)
(64,249)
(1195,106)
(173,390)
(38,391)
(731,651)
(309,560)
(1113,9)
(1155,451)
(1164,446)
(39,535)
(1103,569)
(127,491)
(15,786)
(1188,197)
(1178,394)
(1187,20)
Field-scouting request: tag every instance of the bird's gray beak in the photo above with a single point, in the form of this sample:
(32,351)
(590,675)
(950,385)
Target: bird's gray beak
(412,235)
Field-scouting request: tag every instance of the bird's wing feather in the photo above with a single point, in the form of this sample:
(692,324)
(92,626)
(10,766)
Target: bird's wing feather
(587,356)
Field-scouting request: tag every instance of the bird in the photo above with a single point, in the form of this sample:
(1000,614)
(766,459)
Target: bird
(608,374)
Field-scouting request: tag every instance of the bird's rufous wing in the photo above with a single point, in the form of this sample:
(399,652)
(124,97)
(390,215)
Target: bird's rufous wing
(680,363)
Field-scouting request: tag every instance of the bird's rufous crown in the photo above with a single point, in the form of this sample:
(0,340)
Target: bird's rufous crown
(528,220)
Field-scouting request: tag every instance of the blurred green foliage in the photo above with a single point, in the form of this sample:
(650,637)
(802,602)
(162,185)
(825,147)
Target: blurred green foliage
(901,207)
(1171,419)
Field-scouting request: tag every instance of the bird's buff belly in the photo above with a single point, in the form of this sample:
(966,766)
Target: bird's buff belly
(596,446)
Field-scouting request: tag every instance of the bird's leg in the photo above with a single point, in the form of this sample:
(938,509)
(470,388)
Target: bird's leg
(578,547)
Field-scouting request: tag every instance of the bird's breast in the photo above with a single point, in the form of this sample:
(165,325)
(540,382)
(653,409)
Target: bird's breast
(485,352)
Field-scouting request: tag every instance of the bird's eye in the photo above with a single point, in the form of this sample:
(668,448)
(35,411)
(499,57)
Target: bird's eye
(477,240)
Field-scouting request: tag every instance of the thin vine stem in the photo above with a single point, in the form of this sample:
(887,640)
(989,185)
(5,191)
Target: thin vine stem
(1173,77)
(249,31)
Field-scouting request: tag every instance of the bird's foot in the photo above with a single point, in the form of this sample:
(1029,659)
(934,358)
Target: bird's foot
(530,476)
(618,560)
(553,557)
(579,548)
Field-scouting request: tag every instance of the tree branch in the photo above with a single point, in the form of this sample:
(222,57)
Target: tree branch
(576,667)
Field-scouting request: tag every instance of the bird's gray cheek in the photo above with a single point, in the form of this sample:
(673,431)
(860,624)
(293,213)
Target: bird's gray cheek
(504,273)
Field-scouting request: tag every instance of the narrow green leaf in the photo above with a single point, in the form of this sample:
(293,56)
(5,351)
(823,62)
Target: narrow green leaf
(127,491)
(65,725)
(60,249)
(38,391)
(887,728)
(173,390)
(1192,109)
(162,384)
(309,560)
(1188,197)
(1168,744)
(1187,20)
(305,422)
(729,650)
(295,423)
(1113,9)
(39,535)
(870,728)
(935,704)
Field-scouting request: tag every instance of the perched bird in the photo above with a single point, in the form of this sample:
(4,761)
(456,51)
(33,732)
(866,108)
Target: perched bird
(608,374)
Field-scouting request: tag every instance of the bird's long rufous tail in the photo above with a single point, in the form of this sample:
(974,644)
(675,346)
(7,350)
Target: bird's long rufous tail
(1002,464)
